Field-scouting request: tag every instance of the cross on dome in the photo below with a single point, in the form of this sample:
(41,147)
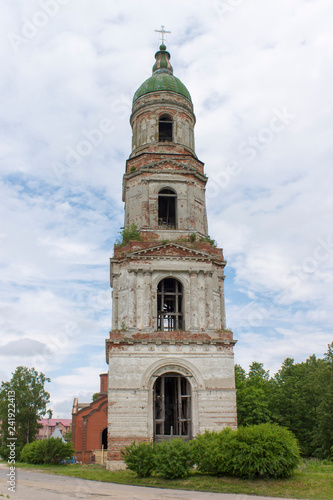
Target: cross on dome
(163,33)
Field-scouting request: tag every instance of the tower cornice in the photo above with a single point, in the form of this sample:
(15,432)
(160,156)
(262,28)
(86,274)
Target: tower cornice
(169,165)
(173,249)
(160,100)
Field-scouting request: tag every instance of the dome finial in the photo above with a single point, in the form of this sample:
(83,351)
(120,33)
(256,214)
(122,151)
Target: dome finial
(163,33)
(162,56)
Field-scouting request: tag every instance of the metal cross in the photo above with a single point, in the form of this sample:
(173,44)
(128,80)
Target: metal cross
(163,32)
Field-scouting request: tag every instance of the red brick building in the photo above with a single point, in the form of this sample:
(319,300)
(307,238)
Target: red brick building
(89,426)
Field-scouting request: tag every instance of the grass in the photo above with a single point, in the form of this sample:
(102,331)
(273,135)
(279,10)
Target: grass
(312,481)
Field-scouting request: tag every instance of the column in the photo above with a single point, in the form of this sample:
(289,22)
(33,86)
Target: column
(222,302)
(143,132)
(201,300)
(132,300)
(153,206)
(209,300)
(190,223)
(145,204)
(115,301)
(194,301)
(147,300)
(139,300)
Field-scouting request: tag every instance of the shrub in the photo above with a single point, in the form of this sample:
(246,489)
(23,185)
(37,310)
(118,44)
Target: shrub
(204,449)
(139,458)
(46,451)
(210,452)
(129,233)
(264,450)
(173,459)
(29,453)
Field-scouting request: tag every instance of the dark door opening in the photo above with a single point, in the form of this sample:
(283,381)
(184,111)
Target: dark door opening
(172,407)
(105,438)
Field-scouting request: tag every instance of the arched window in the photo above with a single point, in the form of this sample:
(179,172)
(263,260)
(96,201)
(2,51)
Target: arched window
(167,209)
(170,305)
(172,407)
(165,125)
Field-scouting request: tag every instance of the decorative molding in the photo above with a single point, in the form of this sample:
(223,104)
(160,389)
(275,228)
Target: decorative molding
(185,368)
(104,402)
(191,253)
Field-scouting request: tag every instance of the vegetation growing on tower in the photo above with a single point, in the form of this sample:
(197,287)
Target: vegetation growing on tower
(128,234)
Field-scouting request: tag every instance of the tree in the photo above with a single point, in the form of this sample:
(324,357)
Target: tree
(95,396)
(252,395)
(324,435)
(302,400)
(299,397)
(23,402)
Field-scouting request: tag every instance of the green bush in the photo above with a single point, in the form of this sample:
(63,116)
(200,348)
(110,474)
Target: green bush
(128,234)
(29,453)
(46,451)
(139,458)
(264,450)
(210,452)
(173,459)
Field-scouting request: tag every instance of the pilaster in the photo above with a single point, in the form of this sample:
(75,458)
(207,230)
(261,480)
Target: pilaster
(132,300)
(194,301)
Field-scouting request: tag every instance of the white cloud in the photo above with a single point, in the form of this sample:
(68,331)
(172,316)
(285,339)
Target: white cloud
(269,207)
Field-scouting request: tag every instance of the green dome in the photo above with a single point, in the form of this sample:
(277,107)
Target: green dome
(162,78)
(159,81)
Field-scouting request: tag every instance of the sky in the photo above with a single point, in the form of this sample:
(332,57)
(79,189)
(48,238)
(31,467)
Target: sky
(260,75)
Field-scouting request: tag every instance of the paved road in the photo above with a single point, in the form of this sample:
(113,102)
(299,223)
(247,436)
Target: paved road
(32,485)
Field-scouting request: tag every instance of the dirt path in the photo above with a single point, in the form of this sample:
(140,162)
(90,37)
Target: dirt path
(31,485)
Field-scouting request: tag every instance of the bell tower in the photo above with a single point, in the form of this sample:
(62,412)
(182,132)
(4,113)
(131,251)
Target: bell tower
(171,368)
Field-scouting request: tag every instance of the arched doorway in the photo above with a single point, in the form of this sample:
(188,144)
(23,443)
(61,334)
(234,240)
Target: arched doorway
(105,438)
(172,407)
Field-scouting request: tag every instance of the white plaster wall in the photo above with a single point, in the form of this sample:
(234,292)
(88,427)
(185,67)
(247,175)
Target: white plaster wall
(191,207)
(133,371)
(136,291)
(147,111)
(127,415)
